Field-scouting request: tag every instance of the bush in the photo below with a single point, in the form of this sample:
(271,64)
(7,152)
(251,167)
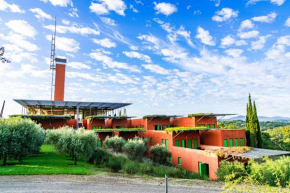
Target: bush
(115,163)
(135,148)
(131,167)
(233,170)
(19,138)
(160,154)
(100,157)
(145,168)
(116,143)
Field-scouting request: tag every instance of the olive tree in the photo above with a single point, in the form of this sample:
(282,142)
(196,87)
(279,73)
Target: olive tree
(160,153)
(116,143)
(135,148)
(19,138)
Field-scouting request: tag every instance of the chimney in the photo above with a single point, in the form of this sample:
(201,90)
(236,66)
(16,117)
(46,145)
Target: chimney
(59,78)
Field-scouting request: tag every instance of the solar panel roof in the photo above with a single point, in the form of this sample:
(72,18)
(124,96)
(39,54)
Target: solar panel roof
(46,104)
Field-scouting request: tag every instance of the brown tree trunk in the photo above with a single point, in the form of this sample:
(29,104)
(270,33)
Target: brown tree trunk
(75,160)
(4,160)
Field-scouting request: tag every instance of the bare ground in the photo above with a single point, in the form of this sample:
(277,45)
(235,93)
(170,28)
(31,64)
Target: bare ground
(102,183)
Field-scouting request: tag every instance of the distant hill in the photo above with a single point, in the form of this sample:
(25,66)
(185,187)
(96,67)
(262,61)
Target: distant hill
(261,118)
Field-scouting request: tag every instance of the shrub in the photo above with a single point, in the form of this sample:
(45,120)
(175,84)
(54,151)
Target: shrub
(115,163)
(135,148)
(160,171)
(145,168)
(19,138)
(100,156)
(131,167)
(116,143)
(233,170)
(160,154)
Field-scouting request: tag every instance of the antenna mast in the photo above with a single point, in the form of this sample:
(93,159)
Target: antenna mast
(52,60)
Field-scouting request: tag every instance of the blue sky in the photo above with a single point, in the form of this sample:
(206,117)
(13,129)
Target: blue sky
(166,57)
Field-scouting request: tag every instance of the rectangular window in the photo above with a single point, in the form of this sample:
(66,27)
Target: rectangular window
(175,125)
(94,127)
(166,143)
(203,125)
(179,160)
(170,159)
(162,141)
(236,142)
(166,126)
(177,143)
(117,127)
(189,143)
(100,143)
(195,143)
(198,125)
(213,126)
(123,127)
(225,143)
(156,127)
(99,127)
(208,125)
(151,141)
(183,143)
(231,143)
(242,142)
(136,126)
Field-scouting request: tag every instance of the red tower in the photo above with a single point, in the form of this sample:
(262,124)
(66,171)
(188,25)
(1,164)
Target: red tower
(59,78)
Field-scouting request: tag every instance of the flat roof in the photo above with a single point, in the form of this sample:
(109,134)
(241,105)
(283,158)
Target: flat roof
(109,117)
(161,116)
(47,104)
(259,153)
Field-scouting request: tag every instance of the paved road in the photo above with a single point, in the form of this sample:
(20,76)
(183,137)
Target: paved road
(100,184)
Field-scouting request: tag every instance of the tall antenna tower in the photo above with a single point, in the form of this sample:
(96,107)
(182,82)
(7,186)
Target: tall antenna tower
(52,60)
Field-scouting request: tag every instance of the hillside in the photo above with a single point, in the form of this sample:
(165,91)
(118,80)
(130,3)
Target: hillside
(264,124)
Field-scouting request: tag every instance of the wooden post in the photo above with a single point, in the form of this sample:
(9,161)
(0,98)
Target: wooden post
(166,184)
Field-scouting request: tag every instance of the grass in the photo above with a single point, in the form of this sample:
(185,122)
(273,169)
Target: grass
(47,162)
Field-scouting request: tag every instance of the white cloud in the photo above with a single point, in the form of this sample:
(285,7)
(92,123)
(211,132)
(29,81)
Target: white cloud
(108,21)
(19,41)
(4,6)
(277,2)
(74,12)
(133,9)
(266,19)
(61,3)
(138,55)
(260,43)
(121,78)
(246,24)
(40,14)
(234,52)
(105,6)
(204,36)
(165,8)
(287,22)
(65,22)
(65,44)
(241,43)
(249,34)
(102,56)
(156,69)
(229,40)
(224,15)
(278,52)
(22,27)
(78,65)
(73,29)
(106,42)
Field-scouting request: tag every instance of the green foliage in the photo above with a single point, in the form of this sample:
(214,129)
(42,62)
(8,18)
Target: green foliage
(229,168)
(177,129)
(19,138)
(160,153)
(100,157)
(37,117)
(199,114)
(278,138)
(131,167)
(118,129)
(265,125)
(115,163)
(136,148)
(79,143)
(115,142)
(145,168)
(154,116)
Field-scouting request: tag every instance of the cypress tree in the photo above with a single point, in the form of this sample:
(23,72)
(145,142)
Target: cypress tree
(258,129)
(248,127)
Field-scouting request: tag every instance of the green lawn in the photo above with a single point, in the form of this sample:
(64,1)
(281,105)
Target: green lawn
(47,162)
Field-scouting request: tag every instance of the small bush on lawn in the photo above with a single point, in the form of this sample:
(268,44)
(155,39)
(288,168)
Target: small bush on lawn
(115,163)
(131,167)
(160,154)
(145,168)
(135,148)
(116,143)
(100,157)
(231,168)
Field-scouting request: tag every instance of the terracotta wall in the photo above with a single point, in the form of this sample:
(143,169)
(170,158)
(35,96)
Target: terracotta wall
(183,122)
(150,123)
(56,123)
(96,123)
(206,121)
(137,122)
(113,123)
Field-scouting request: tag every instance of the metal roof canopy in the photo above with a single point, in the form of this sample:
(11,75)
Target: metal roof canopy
(47,104)
(111,117)
(257,153)
(214,115)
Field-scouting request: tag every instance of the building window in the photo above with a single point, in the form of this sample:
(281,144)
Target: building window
(195,143)
(242,142)
(189,143)
(236,142)
(231,143)
(213,126)
(170,159)
(166,143)
(123,127)
(99,127)
(94,127)
(225,143)
(158,127)
(203,125)
(100,143)
(179,160)
(162,141)
(177,143)
(183,143)
(151,141)
(208,125)
(198,125)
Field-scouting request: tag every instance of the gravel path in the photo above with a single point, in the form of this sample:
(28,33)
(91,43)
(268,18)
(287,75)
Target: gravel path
(101,184)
